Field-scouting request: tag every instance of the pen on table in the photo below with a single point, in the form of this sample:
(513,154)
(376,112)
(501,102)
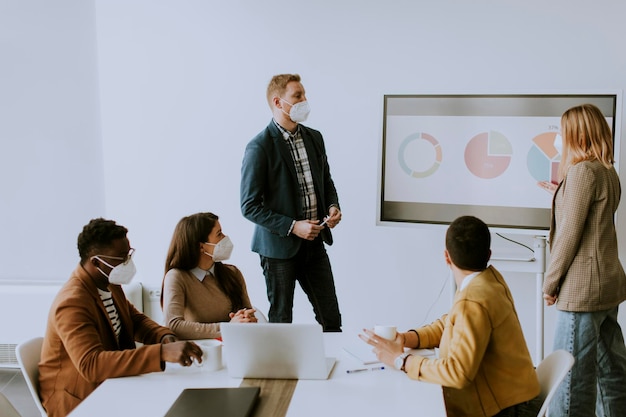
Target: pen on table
(352,371)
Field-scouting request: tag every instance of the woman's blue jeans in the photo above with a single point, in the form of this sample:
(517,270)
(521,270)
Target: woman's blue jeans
(599,373)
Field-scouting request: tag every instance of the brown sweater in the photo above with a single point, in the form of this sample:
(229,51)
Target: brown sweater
(194,309)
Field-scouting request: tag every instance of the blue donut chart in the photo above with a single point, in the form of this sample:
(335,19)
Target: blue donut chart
(402,155)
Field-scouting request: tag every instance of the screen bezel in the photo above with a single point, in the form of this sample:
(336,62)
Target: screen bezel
(533,220)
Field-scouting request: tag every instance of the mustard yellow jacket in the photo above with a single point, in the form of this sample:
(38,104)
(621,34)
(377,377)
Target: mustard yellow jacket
(484,365)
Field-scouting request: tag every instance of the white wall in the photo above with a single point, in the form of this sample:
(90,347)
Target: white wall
(51,172)
(182,85)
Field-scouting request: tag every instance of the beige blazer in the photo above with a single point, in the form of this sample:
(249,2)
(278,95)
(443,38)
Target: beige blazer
(585,272)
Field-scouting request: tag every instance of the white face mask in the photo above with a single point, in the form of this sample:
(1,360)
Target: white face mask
(222,249)
(121,274)
(558,143)
(299,111)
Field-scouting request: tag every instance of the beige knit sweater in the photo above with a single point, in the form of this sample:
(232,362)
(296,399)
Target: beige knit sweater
(194,309)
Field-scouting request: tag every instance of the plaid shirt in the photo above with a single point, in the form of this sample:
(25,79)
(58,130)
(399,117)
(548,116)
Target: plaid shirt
(303,169)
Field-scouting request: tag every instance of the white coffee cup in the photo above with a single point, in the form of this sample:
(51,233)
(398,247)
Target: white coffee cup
(387,332)
(211,354)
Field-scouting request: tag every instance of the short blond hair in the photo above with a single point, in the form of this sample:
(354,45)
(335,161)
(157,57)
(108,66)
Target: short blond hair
(586,136)
(278,85)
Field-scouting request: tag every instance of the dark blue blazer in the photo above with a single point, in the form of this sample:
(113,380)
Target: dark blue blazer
(270,194)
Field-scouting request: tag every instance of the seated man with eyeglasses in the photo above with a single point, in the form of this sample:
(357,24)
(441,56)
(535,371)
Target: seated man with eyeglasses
(92,327)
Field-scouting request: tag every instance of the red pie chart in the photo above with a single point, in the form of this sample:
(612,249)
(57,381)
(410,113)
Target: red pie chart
(488,154)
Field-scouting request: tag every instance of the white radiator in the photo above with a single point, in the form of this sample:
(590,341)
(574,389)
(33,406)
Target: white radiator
(24,308)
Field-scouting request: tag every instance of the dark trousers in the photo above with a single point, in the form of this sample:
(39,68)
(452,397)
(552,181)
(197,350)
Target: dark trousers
(525,409)
(311,269)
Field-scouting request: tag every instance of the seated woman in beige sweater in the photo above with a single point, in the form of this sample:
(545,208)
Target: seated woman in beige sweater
(198,290)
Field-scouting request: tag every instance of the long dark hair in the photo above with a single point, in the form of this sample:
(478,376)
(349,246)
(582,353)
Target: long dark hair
(184,254)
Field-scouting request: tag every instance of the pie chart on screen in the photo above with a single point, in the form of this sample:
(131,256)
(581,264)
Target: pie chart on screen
(488,154)
(543,158)
(419,155)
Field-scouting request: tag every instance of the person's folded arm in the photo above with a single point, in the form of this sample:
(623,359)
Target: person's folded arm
(471,332)
(81,337)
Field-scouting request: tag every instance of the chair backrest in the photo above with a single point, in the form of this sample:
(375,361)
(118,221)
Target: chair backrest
(550,373)
(6,408)
(260,317)
(28,355)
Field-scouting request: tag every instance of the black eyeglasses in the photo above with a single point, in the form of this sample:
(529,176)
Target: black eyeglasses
(124,260)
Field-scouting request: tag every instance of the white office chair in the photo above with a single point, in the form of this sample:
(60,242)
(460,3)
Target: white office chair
(28,355)
(551,372)
(260,317)
(6,408)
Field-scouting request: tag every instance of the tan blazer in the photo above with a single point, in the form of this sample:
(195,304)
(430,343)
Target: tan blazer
(80,349)
(585,272)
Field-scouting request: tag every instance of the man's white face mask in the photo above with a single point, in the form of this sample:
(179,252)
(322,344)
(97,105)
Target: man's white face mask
(299,111)
(121,274)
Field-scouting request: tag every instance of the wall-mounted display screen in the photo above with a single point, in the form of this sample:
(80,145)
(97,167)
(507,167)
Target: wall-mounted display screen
(444,156)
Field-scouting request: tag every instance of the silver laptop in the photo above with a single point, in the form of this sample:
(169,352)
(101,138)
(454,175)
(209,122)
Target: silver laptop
(275,351)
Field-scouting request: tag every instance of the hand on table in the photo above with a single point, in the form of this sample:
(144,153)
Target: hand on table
(245,315)
(182,352)
(385,350)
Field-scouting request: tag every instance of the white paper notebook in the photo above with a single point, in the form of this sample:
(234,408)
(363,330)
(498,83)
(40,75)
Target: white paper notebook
(362,352)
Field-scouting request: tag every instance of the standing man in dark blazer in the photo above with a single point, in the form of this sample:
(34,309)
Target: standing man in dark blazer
(288,193)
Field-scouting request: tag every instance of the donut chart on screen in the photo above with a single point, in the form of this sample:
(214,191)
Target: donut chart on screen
(543,158)
(419,155)
(488,154)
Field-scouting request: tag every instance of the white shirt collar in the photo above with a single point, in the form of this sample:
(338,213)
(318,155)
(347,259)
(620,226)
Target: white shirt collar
(467,280)
(201,273)
(287,134)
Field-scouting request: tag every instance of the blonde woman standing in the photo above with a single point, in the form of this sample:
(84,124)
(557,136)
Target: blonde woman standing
(585,278)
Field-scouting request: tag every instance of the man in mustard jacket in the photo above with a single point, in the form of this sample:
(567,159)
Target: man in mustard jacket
(484,365)
(92,327)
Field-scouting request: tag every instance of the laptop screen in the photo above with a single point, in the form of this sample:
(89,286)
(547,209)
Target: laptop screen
(275,350)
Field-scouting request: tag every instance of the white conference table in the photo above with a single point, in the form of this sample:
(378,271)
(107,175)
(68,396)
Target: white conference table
(370,393)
